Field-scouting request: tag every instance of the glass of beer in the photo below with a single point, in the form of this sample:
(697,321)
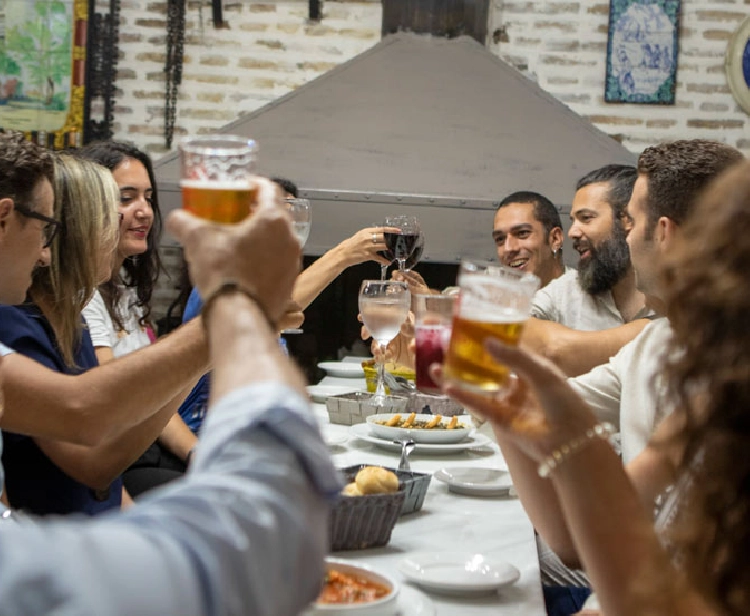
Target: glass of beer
(215,177)
(433,316)
(494,302)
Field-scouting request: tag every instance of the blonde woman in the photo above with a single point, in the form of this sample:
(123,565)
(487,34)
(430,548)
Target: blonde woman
(47,476)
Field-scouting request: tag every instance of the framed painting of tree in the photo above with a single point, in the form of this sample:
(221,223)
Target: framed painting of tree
(42,69)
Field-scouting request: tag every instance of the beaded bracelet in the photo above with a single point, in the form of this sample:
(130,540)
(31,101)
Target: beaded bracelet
(229,287)
(558,456)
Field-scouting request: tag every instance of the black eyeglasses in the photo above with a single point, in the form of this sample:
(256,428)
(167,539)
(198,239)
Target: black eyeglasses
(51,226)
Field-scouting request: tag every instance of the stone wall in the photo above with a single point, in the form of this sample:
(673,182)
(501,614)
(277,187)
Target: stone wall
(270,48)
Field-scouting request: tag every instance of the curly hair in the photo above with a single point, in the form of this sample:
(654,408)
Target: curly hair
(141,272)
(707,280)
(22,165)
(676,173)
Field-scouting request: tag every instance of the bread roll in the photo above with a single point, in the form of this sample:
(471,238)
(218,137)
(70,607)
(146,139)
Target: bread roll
(376,480)
(351,489)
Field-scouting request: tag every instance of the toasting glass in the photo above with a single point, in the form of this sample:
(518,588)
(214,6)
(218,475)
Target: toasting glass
(301,213)
(403,242)
(383,305)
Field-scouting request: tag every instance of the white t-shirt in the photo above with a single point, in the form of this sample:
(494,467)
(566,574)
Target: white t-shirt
(102,329)
(627,391)
(564,301)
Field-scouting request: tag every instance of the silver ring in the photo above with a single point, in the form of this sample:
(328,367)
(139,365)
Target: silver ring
(374,238)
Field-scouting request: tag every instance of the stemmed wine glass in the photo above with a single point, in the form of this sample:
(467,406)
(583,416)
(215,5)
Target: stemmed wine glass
(416,255)
(301,213)
(383,305)
(403,242)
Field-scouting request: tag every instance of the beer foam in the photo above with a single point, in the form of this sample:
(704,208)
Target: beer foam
(211,185)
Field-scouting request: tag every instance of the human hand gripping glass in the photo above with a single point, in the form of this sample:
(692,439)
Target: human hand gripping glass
(494,302)
(383,305)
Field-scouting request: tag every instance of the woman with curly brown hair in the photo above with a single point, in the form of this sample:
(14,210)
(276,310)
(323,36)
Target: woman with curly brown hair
(693,560)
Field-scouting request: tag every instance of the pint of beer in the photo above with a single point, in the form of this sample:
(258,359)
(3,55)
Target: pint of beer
(494,303)
(215,177)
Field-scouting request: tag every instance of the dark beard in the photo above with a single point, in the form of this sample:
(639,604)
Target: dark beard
(608,264)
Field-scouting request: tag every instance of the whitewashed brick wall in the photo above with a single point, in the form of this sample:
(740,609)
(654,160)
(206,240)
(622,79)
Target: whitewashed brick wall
(270,49)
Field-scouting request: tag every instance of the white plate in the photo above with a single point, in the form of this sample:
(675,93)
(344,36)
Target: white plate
(411,602)
(321,393)
(343,369)
(418,435)
(334,438)
(385,606)
(475,481)
(456,573)
(475,439)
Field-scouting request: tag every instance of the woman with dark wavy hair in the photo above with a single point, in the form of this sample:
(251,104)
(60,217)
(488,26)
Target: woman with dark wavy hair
(693,559)
(118,316)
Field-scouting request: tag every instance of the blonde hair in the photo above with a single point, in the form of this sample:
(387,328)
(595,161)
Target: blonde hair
(86,199)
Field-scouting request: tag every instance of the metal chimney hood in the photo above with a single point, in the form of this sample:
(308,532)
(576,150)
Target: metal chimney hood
(420,125)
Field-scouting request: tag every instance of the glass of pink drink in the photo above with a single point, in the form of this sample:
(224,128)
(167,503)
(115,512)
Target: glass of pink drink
(432,331)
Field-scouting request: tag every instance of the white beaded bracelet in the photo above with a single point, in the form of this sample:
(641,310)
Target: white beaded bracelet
(558,456)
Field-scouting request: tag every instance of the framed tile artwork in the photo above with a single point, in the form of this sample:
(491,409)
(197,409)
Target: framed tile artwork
(642,51)
(737,64)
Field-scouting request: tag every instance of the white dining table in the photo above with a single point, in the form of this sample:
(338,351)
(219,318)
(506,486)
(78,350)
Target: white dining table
(496,527)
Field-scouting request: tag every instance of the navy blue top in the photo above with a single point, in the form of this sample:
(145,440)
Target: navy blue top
(33,482)
(193,408)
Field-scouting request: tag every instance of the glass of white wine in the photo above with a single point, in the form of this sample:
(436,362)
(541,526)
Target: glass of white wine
(301,212)
(383,305)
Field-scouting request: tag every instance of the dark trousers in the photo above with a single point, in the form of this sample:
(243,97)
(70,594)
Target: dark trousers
(154,468)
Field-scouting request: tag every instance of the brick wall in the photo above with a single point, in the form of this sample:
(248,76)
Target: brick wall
(562,45)
(270,49)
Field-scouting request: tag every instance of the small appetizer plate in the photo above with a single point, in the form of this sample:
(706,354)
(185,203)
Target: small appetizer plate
(455,573)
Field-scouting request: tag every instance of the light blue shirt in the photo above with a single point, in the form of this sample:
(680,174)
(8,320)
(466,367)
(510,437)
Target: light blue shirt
(245,532)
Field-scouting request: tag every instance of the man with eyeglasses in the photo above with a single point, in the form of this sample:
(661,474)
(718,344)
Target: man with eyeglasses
(251,515)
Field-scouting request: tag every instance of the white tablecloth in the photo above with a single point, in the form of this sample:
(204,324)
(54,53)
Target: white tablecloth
(496,527)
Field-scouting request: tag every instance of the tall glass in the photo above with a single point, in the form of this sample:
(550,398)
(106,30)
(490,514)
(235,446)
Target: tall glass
(383,305)
(301,213)
(433,316)
(402,242)
(215,177)
(494,301)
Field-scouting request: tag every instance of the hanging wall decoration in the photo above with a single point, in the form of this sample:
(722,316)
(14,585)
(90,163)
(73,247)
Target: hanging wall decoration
(642,51)
(43,69)
(737,65)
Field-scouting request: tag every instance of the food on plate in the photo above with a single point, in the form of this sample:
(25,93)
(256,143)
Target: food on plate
(435,423)
(346,588)
(372,480)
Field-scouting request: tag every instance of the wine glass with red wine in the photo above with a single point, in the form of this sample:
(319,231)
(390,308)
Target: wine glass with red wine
(416,255)
(387,254)
(403,242)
